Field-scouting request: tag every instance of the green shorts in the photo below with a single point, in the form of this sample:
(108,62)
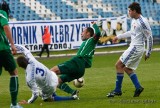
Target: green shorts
(7,61)
(72,69)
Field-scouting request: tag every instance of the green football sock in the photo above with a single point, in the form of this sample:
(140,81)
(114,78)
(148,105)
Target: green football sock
(14,89)
(66,88)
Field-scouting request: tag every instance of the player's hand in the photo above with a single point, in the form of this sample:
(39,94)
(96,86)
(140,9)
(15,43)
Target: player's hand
(146,57)
(14,50)
(23,102)
(114,40)
(93,22)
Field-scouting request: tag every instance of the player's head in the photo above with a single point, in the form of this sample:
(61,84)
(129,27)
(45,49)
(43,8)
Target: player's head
(3,7)
(22,62)
(134,9)
(87,33)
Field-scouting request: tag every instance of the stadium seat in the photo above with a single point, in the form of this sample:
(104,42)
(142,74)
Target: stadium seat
(72,9)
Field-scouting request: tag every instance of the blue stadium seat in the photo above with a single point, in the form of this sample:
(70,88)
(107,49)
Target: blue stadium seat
(59,7)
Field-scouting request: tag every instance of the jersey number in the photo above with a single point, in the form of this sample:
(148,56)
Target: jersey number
(40,71)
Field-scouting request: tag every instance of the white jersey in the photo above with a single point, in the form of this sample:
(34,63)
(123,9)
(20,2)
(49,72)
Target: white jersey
(140,30)
(109,32)
(103,33)
(38,76)
(119,32)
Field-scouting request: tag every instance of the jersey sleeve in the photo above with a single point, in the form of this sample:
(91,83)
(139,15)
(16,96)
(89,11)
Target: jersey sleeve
(97,32)
(124,35)
(148,35)
(147,32)
(35,90)
(25,51)
(3,19)
(31,82)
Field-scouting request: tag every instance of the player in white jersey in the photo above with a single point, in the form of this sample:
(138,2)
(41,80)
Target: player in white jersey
(129,60)
(38,77)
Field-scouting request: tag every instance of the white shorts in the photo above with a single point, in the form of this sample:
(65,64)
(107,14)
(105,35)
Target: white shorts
(49,89)
(132,56)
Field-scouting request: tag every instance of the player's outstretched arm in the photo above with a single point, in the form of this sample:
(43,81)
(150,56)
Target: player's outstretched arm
(31,100)
(124,35)
(35,92)
(97,31)
(120,36)
(25,51)
(22,49)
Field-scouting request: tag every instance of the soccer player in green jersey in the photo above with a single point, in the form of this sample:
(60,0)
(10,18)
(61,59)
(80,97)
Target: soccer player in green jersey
(75,67)
(6,58)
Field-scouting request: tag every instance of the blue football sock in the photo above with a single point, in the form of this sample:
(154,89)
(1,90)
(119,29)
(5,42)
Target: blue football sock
(135,81)
(61,98)
(119,82)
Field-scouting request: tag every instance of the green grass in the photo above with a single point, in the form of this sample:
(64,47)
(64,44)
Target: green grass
(99,80)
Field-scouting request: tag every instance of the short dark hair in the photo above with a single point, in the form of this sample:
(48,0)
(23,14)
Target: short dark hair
(22,62)
(135,6)
(5,7)
(109,22)
(90,30)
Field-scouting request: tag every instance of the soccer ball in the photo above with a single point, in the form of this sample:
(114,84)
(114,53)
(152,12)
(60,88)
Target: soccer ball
(78,82)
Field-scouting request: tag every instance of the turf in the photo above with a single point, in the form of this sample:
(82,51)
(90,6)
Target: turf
(99,80)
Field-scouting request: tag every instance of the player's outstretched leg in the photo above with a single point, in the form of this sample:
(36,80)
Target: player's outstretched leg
(66,88)
(64,98)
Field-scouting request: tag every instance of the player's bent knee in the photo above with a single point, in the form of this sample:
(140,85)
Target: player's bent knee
(15,72)
(128,70)
(56,70)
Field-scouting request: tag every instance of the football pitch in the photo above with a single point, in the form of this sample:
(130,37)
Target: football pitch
(99,80)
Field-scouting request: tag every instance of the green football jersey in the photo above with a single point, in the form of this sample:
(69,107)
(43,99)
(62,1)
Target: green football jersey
(4,44)
(87,48)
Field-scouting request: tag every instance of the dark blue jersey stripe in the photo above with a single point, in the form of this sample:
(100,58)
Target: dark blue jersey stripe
(142,23)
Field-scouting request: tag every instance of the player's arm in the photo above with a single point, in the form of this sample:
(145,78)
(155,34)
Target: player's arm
(120,36)
(97,31)
(124,35)
(148,35)
(4,23)
(31,82)
(9,36)
(25,51)
(35,94)
(35,91)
